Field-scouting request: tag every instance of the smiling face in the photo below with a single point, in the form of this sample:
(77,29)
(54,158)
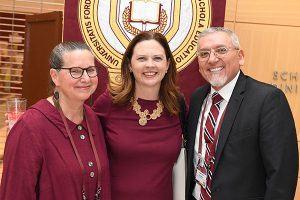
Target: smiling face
(70,89)
(219,71)
(148,65)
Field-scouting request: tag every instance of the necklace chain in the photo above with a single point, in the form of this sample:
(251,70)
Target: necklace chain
(145,116)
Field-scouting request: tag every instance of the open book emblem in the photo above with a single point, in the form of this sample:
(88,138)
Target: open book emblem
(153,14)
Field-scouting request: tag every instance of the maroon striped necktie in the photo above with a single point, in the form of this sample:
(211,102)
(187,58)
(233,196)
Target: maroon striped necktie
(209,137)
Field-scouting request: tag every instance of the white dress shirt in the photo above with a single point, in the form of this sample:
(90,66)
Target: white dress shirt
(226,93)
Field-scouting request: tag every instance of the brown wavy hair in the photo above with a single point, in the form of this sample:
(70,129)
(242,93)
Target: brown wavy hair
(168,92)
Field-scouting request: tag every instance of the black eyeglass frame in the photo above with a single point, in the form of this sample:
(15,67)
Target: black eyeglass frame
(82,71)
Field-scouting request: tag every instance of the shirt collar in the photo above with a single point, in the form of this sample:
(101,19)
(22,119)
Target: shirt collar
(227,90)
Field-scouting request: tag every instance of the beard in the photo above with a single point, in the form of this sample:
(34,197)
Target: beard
(217,80)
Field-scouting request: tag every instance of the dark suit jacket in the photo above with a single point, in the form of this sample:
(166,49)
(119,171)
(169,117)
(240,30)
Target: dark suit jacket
(257,152)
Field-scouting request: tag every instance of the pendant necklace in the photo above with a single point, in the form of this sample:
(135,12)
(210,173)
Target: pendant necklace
(145,116)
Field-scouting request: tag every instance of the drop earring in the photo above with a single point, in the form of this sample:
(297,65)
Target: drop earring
(56,95)
(55,99)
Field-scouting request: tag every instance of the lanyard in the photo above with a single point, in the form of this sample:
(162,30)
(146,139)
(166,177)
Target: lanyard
(97,194)
(217,133)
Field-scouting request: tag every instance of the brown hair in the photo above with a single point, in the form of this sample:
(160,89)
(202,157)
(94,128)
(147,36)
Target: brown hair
(168,93)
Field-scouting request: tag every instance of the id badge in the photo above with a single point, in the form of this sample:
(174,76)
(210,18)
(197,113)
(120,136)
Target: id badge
(201,176)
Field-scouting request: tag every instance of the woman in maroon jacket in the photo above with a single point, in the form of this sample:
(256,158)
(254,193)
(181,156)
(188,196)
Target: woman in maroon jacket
(56,150)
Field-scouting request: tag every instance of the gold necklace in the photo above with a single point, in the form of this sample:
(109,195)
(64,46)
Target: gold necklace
(145,115)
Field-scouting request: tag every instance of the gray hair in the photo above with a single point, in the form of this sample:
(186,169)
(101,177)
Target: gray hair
(56,56)
(233,36)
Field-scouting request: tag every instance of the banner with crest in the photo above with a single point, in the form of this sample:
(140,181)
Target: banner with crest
(108,26)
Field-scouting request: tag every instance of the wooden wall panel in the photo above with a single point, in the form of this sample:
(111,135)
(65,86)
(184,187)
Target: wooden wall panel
(229,25)
(269,34)
(297,196)
(273,49)
(269,12)
(230,10)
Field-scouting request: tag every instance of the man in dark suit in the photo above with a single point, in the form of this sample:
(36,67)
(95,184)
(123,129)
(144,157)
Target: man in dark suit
(242,145)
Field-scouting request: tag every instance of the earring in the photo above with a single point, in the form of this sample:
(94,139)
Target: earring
(56,95)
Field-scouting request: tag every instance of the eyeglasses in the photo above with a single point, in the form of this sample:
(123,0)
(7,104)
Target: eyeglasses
(77,72)
(219,52)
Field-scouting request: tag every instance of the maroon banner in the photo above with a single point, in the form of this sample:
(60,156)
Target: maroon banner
(79,16)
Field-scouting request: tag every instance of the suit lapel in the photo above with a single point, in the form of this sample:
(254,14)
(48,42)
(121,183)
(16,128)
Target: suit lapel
(193,117)
(195,112)
(232,109)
